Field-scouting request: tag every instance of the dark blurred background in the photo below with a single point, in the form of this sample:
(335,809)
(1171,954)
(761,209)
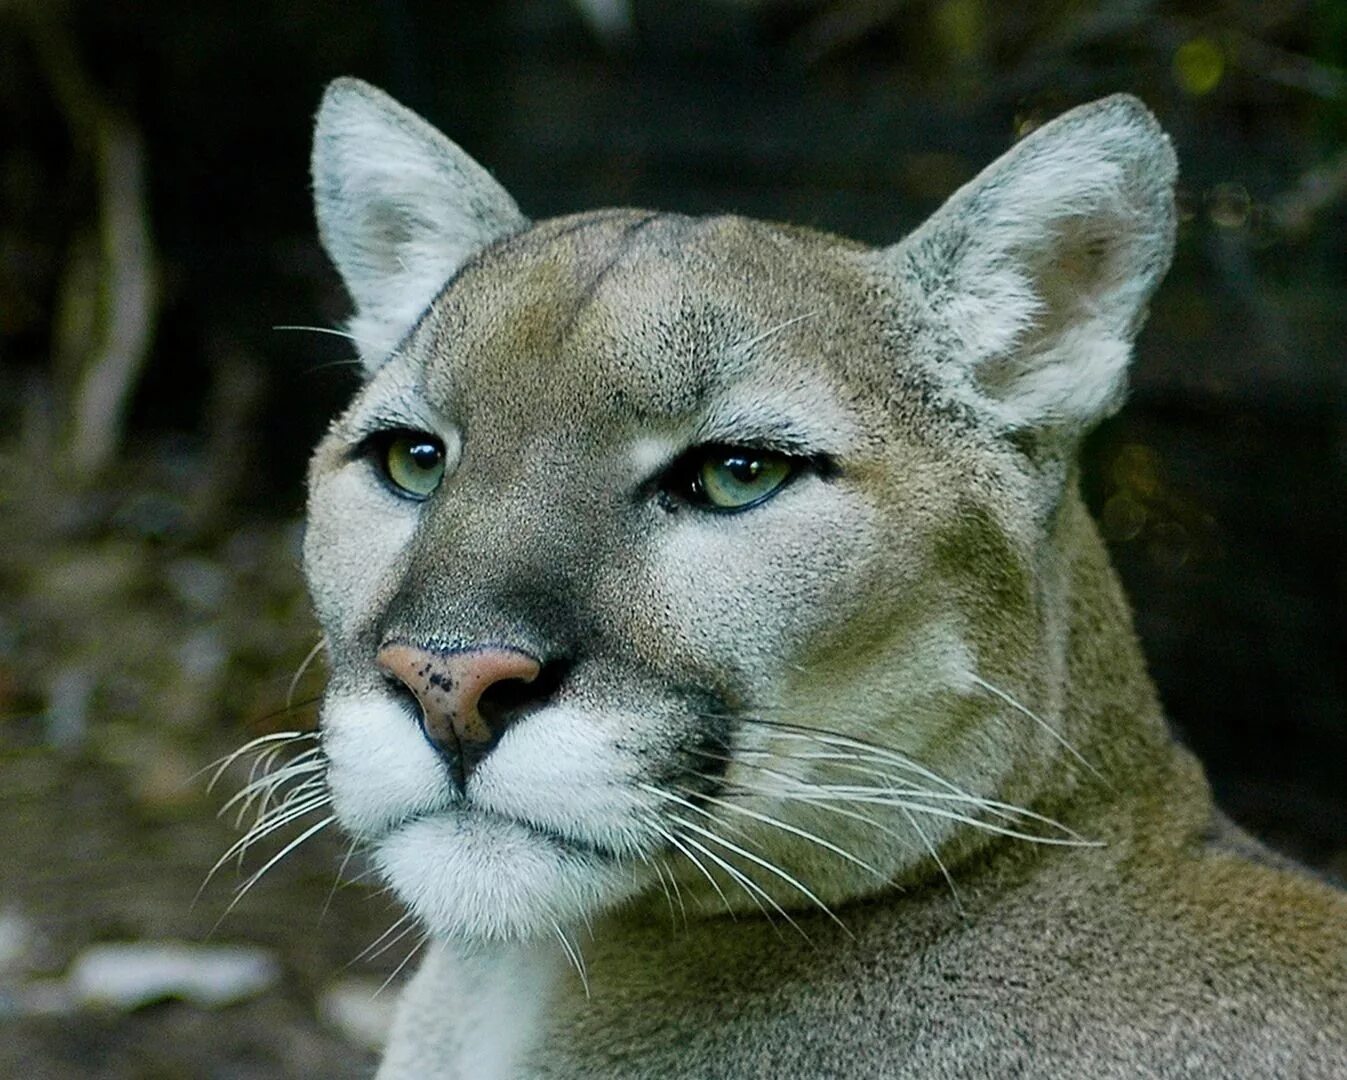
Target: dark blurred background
(156,240)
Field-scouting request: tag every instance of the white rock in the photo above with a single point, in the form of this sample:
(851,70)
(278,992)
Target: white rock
(357,1009)
(16,940)
(131,974)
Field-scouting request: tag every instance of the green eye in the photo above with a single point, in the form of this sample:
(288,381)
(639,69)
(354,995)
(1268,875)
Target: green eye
(735,479)
(412,461)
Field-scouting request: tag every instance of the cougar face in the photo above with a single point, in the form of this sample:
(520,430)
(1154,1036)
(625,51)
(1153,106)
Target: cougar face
(701,549)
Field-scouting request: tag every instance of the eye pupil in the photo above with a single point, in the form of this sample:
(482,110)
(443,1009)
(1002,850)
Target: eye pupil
(411,461)
(424,455)
(743,469)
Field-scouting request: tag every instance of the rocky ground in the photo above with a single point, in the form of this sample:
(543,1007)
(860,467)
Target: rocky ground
(140,640)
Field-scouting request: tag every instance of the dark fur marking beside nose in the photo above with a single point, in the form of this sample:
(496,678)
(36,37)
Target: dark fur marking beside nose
(700,769)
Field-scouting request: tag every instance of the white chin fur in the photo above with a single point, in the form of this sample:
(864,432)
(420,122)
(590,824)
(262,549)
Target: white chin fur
(381,770)
(469,875)
(494,865)
(556,770)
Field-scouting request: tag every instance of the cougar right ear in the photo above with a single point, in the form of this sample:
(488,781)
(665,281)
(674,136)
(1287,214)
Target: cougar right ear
(400,208)
(1032,280)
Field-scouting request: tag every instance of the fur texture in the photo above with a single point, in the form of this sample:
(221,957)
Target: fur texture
(867,779)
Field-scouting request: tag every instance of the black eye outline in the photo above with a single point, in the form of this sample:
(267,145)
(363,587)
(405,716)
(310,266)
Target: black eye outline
(681,483)
(377,447)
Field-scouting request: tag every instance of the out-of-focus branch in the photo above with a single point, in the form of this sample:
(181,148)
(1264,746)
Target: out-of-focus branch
(111,289)
(840,25)
(1294,211)
(1288,68)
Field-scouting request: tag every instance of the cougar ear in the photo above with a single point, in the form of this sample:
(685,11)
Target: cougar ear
(1032,280)
(400,208)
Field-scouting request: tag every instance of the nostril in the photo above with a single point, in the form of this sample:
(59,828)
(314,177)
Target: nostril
(505,701)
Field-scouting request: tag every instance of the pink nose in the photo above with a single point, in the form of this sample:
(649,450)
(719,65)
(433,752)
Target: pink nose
(464,696)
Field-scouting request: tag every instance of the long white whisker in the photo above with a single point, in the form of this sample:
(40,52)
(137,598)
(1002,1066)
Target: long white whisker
(1072,840)
(771,868)
(405,923)
(221,764)
(265,829)
(935,855)
(1005,811)
(336,881)
(805,733)
(757,339)
(269,817)
(405,961)
(664,885)
(247,885)
(258,875)
(674,842)
(678,895)
(1023,709)
(805,795)
(323,330)
(573,953)
(301,766)
(805,834)
(750,887)
(879,754)
(866,792)
(1000,809)
(303,667)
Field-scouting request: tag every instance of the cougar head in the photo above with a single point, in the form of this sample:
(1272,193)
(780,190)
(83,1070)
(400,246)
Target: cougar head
(656,546)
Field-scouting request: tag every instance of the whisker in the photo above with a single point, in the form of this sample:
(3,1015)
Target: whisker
(830,738)
(405,961)
(1004,810)
(757,339)
(664,885)
(750,887)
(268,815)
(771,868)
(265,828)
(935,856)
(1072,839)
(1026,711)
(322,330)
(223,763)
(303,667)
(956,793)
(678,895)
(300,766)
(805,834)
(573,954)
(380,945)
(336,881)
(804,795)
(312,830)
(674,842)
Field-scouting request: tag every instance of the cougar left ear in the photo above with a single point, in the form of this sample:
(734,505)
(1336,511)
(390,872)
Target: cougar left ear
(400,208)
(1032,280)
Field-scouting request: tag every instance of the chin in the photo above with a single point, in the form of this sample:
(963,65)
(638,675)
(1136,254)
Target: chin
(473,876)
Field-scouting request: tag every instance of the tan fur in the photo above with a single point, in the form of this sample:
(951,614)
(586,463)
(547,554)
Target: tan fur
(898,708)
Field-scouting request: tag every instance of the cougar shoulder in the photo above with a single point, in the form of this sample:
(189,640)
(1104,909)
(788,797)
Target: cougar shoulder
(725,670)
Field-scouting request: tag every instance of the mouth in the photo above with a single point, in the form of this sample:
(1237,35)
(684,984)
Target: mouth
(471,873)
(465,814)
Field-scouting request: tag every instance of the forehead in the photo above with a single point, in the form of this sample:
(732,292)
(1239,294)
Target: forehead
(648,316)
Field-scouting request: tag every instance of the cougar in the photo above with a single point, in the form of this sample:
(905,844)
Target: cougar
(725,670)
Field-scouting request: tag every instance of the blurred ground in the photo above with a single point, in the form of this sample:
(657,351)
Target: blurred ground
(154,228)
